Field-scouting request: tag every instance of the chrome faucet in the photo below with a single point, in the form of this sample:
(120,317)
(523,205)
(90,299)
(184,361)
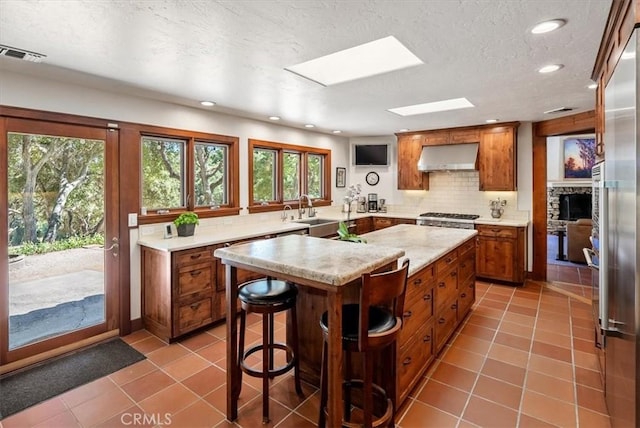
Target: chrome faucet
(284,212)
(301,210)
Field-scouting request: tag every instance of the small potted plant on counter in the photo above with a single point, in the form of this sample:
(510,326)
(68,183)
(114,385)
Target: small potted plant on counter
(186,223)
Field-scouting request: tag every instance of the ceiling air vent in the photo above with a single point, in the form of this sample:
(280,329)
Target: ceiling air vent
(21,54)
(559,110)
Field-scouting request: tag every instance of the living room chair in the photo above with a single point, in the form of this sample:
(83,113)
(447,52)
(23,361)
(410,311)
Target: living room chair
(578,233)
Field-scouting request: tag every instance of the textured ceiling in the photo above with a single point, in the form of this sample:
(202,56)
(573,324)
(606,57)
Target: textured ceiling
(234,53)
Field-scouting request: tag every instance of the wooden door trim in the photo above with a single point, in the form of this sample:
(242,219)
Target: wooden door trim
(580,123)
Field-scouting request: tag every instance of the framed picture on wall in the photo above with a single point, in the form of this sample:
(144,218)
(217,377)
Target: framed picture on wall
(341,177)
(579,156)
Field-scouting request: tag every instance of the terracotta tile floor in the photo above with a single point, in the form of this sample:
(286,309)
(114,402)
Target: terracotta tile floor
(573,279)
(523,358)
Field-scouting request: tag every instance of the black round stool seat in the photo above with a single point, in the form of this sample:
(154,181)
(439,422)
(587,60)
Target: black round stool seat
(266,291)
(380,320)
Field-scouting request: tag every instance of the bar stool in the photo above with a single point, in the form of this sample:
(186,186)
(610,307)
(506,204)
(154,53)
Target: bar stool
(268,296)
(367,327)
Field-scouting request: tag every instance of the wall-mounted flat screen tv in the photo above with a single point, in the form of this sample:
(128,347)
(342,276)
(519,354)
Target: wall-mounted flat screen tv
(371,154)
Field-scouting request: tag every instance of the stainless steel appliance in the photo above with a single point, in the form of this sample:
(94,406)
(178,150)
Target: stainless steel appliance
(453,220)
(618,217)
(598,261)
(373,202)
(382,206)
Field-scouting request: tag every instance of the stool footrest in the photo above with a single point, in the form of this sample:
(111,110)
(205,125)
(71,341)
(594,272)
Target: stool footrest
(291,359)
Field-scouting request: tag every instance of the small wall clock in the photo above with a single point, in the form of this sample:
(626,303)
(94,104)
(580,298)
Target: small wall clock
(372,178)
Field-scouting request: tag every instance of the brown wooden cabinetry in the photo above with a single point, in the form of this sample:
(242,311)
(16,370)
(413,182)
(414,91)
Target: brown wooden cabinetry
(363,225)
(496,154)
(409,178)
(497,158)
(384,222)
(178,290)
(500,253)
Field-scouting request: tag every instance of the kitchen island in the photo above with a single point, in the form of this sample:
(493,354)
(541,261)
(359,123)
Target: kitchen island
(440,292)
(325,266)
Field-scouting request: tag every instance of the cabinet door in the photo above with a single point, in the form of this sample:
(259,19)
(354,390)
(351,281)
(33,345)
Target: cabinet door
(381,223)
(409,150)
(495,258)
(364,225)
(497,159)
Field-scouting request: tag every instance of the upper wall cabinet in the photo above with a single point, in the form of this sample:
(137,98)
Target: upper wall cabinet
(496,154)
(409,178)
(497,158)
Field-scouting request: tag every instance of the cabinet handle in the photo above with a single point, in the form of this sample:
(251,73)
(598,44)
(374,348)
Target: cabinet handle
(441,284)
(454,306)
(406,361)
(407,314)
(463,295)
(195,256)
(454,273)
(196,272)
(195,306)
(442,321)
(472,285)
(464,265)
(417,281)
(426,297)
(427,338)
(448,260)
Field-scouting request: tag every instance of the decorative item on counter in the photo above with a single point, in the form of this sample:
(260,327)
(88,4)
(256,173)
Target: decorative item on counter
(353,194)
(497,207)
(186,223)
(345,235)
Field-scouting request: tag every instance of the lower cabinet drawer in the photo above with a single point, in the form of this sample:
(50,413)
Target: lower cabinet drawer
(414,359)
(195,314)
(445,323)
(446,287)
(416,313)
(195,278)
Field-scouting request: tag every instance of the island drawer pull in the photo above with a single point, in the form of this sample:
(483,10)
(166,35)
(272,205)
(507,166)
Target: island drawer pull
(442,321)
(195,306)
(427,338)
(407,314)
(463,295)
(426,297)
(441,284)
(196,272)
(195,256)
(406,361)
(454,306)
(454,273)
(448,259)
(417,281)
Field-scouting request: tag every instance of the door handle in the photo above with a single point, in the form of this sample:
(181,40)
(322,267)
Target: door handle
(114,247)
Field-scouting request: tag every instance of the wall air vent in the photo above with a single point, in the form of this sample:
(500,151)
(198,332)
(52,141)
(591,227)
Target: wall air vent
(21,54)
(559,110)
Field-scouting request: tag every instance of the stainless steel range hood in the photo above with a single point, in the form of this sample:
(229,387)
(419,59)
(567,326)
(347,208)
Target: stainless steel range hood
(451,157)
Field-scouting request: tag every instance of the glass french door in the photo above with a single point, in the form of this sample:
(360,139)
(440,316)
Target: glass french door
(59,246)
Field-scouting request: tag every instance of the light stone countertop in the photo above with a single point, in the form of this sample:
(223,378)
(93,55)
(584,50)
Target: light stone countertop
(501,222)
(326,261)
(422,244)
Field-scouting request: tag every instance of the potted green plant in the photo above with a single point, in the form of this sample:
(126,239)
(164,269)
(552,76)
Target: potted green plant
(345,235)
(186,223)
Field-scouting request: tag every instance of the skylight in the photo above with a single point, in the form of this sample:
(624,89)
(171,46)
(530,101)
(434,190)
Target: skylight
(370,59)
(452,104)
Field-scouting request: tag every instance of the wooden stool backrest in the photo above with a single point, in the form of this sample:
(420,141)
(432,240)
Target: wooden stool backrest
(381,289)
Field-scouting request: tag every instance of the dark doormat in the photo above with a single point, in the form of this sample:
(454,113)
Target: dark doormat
(39,383)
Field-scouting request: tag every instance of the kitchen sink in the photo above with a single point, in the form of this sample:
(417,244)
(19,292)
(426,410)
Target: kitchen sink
(321,227)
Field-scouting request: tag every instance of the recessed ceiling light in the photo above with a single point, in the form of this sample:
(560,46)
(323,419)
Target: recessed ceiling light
(628,55)
(550,68)
(274,118)
(453,104)
(337,131)
(403,130)
(592,86)
(547,26)
(491,120)
(308,125)
(207,103)
(370,59)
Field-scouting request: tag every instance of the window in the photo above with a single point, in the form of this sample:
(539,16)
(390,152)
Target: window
(279,173)
(163,165)
(188,171)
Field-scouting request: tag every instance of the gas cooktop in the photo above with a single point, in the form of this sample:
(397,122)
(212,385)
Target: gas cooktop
(450,216)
